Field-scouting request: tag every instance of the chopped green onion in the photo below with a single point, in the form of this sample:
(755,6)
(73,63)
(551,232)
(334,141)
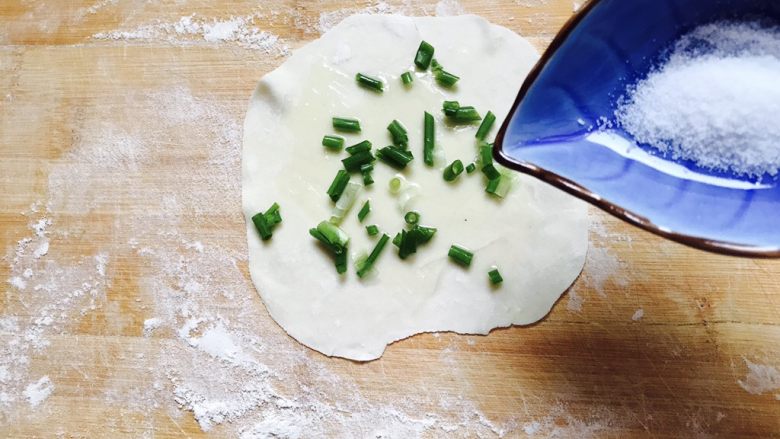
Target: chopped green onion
(486,159)
(460,255)
(399,135)
(495,276)
(395,157)
(395,184)
(408,244)
(425,233)
(471,168)
(364,211)
(446,79)
(372,230)
(354,162)
(272,215)
(452,171)
(370,83)
(263,225)
(360,147)
(412,218)
(424,55)
(485,126)
(333,142)
(450,108)
(341,262)
(407,78)
(347,125)
(331,236)
(499,186)
(435,66)
(339,183)
(397,239)
(366,170)
(465,115)
(345,203)
(366,266)
(429,139)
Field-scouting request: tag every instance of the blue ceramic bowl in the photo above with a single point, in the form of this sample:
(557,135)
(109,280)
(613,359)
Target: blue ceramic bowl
(606,46)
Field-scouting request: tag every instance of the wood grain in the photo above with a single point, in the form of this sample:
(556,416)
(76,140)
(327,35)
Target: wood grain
(588,367)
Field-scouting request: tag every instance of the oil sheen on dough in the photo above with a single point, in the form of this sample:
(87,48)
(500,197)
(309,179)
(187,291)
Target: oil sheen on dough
(537,236)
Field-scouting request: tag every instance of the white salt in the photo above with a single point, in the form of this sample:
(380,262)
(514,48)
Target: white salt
(714,101)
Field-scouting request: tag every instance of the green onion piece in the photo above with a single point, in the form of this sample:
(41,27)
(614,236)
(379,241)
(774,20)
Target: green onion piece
(370,83)
(471,168)
(408,244)
(399,135)
(345,203)
(341,261)
(452,171)
(412,218)
(425,233)
(460,255)
(262,226)
(360,147)
(395,157)
(366,170)
(435,66)
(272,215)
(395,184)
(333,142)
(364,211)
(407,78)
(450,108)
(354,162)
(486,159)
(339,183)
(424,55)
(366,266)
(347,125)
(485,126)
(429,139)
(331,236)
(499,186)
(446,79)
(495,276)
(397,238)
(466,115)
(372,230)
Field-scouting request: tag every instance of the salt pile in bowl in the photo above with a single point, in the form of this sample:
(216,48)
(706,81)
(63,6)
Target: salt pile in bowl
(715,100)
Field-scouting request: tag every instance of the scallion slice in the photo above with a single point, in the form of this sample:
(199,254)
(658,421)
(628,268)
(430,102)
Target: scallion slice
(486,159)
(395,157)
(360,147)
(450,108)
(500,186)
(425,233)
(370,83)
(397,238)
(460,255)
(412,218)
(263,227)
(339,183)
(429,139)
(372,230)
(366,266)
(354,162)
(407,78)
(424,55)
(345,203)
(364,211)
(331,236)
(435,66)
(333,142)
(465,115)
(366,170)
(446,79)
(485,126)
(395,184)
(495,276)
(471,168)
(452,171)
(399,134)
(408,244)
(346,124)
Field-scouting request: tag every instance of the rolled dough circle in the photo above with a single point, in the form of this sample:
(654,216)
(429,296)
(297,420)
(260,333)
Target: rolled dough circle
(537,236)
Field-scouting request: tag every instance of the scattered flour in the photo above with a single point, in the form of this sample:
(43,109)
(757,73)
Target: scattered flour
(760,379)
(638,314)
(192,29)
(38,391)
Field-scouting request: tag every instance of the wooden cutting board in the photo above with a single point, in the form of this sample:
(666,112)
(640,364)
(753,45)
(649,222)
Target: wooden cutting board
(654,339)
